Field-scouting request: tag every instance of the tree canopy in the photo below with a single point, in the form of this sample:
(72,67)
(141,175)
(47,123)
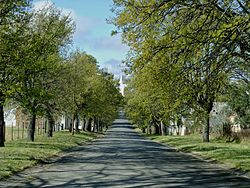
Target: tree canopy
(189,49)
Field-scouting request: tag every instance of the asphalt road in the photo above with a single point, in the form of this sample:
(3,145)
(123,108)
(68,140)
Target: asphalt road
(125,159)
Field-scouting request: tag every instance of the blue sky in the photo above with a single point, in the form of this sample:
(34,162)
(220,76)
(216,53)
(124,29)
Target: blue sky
(93,34)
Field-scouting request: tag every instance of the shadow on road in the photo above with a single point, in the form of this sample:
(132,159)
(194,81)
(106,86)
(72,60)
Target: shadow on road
(125,159)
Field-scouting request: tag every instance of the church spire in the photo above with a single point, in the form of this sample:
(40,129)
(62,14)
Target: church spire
(122,85)
(121,80)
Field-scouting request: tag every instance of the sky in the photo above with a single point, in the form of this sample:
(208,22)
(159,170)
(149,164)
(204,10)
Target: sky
(93,34)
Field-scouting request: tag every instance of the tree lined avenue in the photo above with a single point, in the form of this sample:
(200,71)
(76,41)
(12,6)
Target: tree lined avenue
(185,57)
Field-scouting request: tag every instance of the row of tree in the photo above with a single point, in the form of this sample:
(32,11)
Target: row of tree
(42,74)
(184,55)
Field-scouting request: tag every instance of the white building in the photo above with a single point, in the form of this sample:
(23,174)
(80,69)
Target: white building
(10,117)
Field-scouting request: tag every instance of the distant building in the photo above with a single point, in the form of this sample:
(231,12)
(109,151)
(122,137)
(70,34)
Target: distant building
(9,117)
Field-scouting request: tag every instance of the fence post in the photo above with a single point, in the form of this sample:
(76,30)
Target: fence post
(37,127)
(42,124)
(23,131)
(12,131)
(18,130)
(45,128)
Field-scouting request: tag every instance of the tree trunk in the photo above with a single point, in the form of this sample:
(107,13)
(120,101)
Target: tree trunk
(2,123)
(73,124)
(97,125)
(206,127)
(157,130)
(70,126)
(31,128)
(51,124)
(77,123)
(178,124)
(206,103)
(94,124)
(83,124)
(162,129)
(101,126)
(86,124)
(88,128)
(150,128)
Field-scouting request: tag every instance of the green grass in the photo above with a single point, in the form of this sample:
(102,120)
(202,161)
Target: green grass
(233,155)
(20,154)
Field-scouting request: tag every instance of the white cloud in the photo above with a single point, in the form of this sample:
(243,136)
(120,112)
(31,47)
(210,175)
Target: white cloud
(41,4)
(113,66)
(47,3)
(110,43)
(84,26)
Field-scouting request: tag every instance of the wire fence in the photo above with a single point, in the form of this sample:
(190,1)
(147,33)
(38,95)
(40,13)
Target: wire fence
(19,130)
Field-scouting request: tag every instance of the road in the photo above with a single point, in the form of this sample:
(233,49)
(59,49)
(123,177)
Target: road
(125,159)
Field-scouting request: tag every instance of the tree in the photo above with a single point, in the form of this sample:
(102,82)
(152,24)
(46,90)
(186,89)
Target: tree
(13,21)
(53,83)
(49,31)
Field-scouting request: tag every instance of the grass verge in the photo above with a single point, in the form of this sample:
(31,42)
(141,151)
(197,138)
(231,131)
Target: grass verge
(20,154)
(233,155)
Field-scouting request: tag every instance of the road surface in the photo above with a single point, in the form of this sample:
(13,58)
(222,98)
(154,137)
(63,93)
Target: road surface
(125,159)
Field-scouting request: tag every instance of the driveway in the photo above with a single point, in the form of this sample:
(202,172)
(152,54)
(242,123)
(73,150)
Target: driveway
(123,158)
